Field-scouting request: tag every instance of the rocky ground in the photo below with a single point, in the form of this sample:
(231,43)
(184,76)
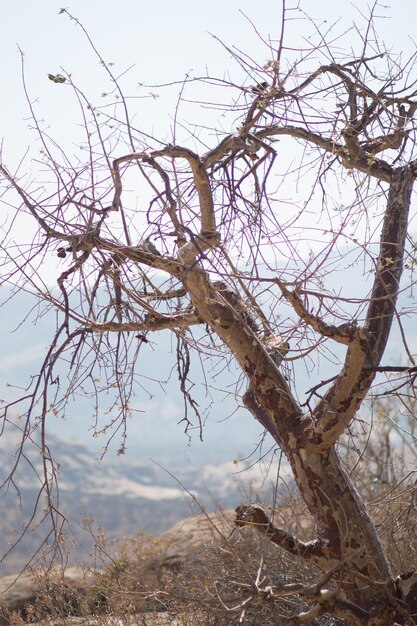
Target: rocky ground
(19,592)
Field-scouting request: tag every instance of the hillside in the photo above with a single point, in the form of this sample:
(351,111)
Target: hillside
(110,496)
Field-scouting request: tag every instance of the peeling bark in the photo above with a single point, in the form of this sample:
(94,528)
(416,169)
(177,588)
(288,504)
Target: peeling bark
(345,527)
(341,402)
(350,136)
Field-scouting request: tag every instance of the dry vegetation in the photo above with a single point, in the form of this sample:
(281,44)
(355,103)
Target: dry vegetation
(245,284)
(207,572)
(223,582)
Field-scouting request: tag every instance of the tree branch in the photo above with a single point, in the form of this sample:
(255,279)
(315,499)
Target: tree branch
(390,262)
(317,551)
(339,405)
(272,389)
(345,333)
(150,323)
(139,254)
(373,167)
(208,236)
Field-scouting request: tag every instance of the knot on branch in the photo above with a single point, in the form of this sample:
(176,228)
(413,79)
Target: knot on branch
(251,515)
(83,242)
(277,347)
(198,245)
(237,303)
(350,135)
(211,238)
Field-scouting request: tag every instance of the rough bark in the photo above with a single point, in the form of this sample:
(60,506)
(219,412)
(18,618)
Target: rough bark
(353,140)
(344,525)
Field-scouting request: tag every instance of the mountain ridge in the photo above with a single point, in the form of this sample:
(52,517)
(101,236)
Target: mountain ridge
(122,497)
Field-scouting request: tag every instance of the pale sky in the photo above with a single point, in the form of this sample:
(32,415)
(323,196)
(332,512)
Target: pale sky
(163,40)
(160,42)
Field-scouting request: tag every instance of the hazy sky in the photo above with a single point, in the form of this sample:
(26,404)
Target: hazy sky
(163,41)
(160,42)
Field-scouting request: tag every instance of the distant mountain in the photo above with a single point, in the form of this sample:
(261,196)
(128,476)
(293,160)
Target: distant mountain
(123,498)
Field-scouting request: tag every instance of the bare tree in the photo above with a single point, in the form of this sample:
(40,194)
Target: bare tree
(240,246)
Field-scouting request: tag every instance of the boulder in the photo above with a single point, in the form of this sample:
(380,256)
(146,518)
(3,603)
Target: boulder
(188,536)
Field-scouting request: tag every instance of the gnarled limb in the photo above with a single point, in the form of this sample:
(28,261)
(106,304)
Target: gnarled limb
(346,333)
(339,405)
(317,551)
(150,323)
(378,168)
(140,255)
(208,237)
(271,387)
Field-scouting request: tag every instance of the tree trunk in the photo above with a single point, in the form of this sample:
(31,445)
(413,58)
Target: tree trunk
(347,533)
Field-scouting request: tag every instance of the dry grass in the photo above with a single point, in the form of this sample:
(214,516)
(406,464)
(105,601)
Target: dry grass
(200,573)
(195,575)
